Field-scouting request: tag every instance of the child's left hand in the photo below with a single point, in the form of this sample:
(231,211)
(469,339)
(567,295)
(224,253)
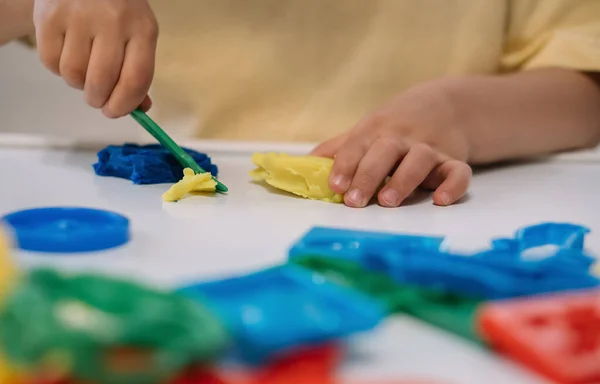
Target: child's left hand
(417,139)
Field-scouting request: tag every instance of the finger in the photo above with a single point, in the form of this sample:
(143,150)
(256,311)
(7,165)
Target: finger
(330,147)
(50,45)
(411,172)
(373,169)
(450,180)
(346,162)
(75,58)
(146,104)
(104,69)
(135,80)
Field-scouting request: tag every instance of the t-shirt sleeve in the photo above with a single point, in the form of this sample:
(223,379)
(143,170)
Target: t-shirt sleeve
(553,33)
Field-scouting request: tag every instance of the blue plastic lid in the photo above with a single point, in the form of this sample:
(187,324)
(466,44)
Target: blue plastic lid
(68,229)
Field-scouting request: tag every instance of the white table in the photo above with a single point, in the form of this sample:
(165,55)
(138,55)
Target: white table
(251,228)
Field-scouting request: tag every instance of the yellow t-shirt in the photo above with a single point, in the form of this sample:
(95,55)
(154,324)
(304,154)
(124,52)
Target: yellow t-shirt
(305,70)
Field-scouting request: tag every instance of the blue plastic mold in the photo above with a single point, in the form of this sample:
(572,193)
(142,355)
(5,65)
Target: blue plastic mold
(68,229)
(559,235)
(280,308)
(548,257)
(508,269)
(351,245)
(562,235)
(146,164)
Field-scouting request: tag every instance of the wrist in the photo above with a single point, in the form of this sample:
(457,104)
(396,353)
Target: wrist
(448,104)
(467,118)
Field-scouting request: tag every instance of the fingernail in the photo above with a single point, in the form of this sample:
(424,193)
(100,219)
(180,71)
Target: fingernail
(445,198)
(356,198)
(390,198)
(341,182)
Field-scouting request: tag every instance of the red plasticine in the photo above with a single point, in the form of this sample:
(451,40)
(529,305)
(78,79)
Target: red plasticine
(314,365)
(200,376)
(556,335)
(392,382)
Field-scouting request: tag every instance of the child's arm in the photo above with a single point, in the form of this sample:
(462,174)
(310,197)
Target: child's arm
(528,114)
(16,19)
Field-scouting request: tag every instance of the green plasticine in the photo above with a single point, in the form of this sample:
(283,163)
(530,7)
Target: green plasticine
(78,323)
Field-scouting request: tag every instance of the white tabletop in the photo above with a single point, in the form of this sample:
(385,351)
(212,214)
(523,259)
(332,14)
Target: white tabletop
(252,227)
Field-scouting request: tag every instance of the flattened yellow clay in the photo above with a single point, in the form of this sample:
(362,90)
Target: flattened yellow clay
(191,182)
(306,176)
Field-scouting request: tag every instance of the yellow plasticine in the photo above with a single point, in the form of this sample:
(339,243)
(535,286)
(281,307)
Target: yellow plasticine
(9,375)
(191,182)
(8,271)
(306,176)
(8,277)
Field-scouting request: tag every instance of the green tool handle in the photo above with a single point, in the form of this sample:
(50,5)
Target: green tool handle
(165,140)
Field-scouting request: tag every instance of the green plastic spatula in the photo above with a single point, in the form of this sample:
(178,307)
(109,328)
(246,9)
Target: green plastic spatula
(182,156)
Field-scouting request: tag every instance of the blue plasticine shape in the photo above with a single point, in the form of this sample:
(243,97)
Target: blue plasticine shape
(504,271)
(350,244)
(284,307)
(146,164)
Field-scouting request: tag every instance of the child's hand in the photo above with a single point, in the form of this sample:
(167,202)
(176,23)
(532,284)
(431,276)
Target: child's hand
(105,48)
(416,139)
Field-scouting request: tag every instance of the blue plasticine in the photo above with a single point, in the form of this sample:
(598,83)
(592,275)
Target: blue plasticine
(146,164)
(284,307)
(350,244)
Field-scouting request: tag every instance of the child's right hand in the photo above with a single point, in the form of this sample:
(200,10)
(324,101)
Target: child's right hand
(105,48)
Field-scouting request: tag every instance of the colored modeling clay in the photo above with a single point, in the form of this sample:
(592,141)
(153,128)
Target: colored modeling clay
(557,335)
(105,330)
(351,245)
(450,312)
(191,182)
(306,176)
(277,309)
(146,164)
